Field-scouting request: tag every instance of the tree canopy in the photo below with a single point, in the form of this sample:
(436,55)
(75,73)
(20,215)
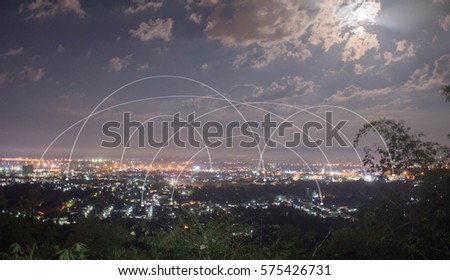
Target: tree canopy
(400,149)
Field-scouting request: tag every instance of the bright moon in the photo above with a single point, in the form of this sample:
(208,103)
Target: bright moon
(366,12)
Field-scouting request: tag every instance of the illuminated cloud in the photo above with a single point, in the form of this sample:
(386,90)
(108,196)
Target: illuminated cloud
(352,93)
(285,51)
(267,23)
(196,18)
(33,74)
(336,17)
(39,9)
(359,42)
(441,72)
(445,23)
(285,28)
(12,52)
(360,69)
(286,87)
(240,60)
(117,64)
(159,28)
(143,5)
(401,46)
(268,55)
(363,12)
(258,58)
(422,79)
(404,51)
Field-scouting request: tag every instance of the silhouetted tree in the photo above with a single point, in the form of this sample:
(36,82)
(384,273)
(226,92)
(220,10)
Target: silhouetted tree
(102,238)
(404,149)
(445,91)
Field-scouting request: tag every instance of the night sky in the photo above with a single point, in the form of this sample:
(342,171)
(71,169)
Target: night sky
(372,59)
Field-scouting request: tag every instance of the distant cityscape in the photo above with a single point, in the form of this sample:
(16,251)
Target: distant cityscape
(137,190)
